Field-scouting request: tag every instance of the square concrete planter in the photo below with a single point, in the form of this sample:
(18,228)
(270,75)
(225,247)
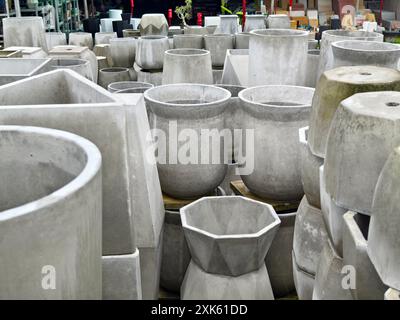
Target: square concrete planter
(29,52)
(10,54)
(16,69)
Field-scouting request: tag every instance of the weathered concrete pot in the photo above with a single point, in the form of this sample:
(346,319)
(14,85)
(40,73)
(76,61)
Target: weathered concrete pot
(150,52)
(123,85)
(228,24)
(193,41)
(368,285)
(16,69)
(242,40)
(278,21)
(106,24)
(103,50)
(195,107)
(329,36)
(338,84)
(80,66)
(187,66)
(255,22)
(383,239)
(229,235)
(29,52)
(151,76)
(355,53)
(275,113)
(313,45)
(50,214)
(236,68)
(81,39)
(129,33)
(303,281)
(312,68)
(104,37)
(110,75)
(362,136)
(310,165)
(392,294)
(196,30)
(54,39)
(289,49)
(123,52)
(218,44)
(102,62)
(153,25)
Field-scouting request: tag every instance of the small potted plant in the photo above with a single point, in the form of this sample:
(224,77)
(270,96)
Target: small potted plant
(184,12)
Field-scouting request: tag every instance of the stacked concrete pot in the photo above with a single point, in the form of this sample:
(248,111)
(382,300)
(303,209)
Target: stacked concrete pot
(228,238)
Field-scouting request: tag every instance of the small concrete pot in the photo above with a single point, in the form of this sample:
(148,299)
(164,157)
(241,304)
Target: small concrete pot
(192,41)
(196,30)
(278,21)
(123,52)
(80,66)
(81,39)
(153,25)
(17,69)
(118,86)
(229,24)
(55,39)
(110,75)
(312,68)
(242,40)
(255,22)
(187,66)
(150,52)
(104,37)
(218,44)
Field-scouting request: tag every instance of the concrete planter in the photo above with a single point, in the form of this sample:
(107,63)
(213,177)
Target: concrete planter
(10,54)
(78,65)
(242,40)
(106,24)
(54,39)
(151,76)
(187,66)
(123,52)
(229,24)
(218,44)
(276,113)
(184,41)
(312,68)
(123,85)
(355,53)
(278,21)
(81,39)
(289,49)
(236,68)
(129,33)
(303,281)
(29,52)
(329,36)
(50,214)
(361,138)
(355,232)
(104,37)
(153,25)
(110,75)
(392,294)
(150,52)
(196,107)
(255,22)
(196,30)
(16,69)
(337,85)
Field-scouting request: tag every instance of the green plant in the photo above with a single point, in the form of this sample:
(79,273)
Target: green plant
(224,7)
(184,12)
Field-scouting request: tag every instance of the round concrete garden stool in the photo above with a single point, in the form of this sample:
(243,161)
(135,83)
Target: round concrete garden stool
(80,66)
(192,41)
(278,21)
(124,85)
(218,44)
(150,52)
(50,214)
(110,75)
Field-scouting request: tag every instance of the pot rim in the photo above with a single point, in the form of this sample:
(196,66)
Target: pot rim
(340,45)
(290,33)
(219,35)
(196,52)
(114,69)
(341,33)
(187,36)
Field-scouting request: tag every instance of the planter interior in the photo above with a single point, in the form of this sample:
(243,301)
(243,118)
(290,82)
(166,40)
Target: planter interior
(124,85)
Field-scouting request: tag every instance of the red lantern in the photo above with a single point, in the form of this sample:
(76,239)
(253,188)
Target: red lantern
(244,13)
(199,19)
(170,17)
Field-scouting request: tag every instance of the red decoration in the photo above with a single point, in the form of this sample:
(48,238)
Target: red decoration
(199,18)
(170,17)
(244,13)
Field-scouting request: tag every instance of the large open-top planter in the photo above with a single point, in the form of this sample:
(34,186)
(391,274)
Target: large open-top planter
(16,69)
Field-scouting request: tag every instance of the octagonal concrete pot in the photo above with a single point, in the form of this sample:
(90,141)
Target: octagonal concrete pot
(81,39)
(150,52)
(362,135)
(123,52)
(114,74)
(187,66)
(218,44)
(278,21)
(80,66)
(177,108)
(124,85)
(153,24)
(338,84)
(289,49)
(383,239)
(229,235)
(16,69)
(275,113)
(355,53)
(255,22)
(192,41)
(229,24)
(312,68)
(50,214)
(242,40)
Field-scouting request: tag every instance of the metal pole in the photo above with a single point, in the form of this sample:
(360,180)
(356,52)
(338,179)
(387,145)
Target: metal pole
(7,9)
(244,13)
(17,8)
(381,12)
(85,9)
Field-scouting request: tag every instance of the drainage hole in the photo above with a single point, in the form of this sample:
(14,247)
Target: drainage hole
(393,104)
(365,73)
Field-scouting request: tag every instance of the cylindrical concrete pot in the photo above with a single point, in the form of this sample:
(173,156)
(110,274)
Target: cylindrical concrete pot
(150,52)
(80,66)
(81,39)
(153,25)
(187,66)
(193,41)
(242,40)
(110,75)
(255,22)
(312,68)
(356,53)
(275,114)
(123,52)
(55,39)
(123,85)
(289,49)
(177,108)
(115,13)
(218,44)
(104,37)
(51,211)
(338,84)
(329,36)
(196,30)
(278,21)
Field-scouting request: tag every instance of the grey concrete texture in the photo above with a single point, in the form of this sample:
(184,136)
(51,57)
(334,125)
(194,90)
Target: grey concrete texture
(329,36)
(121,277)
(200,285)
(355,53)
(303,281)
(383,239)
(368,285)
(29,52)
(54,39)
(313,45)
(289,49)
(10,54)
(153,25)
(278,21)
(242,40)
(104,37)
(151,76)
(392,294)
(362,136)
(123,51)
(310,165)
(218,44)
(229,24)
(217,75)
(150,52)
(113,74)
(312,68)
(185,41)
(275,113)
(236,68)
(123,85)
(229,235)
(187,66)
(231,175)
(196,30)
(338,84)
(50,214)
(81,39)
(80,66)
(196,107)
(255,22)
(14,69)
(103,50)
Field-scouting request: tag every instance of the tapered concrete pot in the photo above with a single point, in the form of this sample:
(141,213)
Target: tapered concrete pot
(355,53)
(392,294)
(338,84)
(255,22)
(312,68)
(16,69)
(123,51)
(123,85)
(218,44)
(151,76)
(242,40)
(383,240)
(368,285)
(362,136)
(229,24)
(29,52)
(196,30)
(329,36)
(179,107)
(114,74)
(309,238)
(278,21)
(150,52)
(236,68)
(54,39)
(275,113)
(50,215)
(81,39)
(78,65)
(289,49)
(153,25)
(310,168)
(187,66)
(104,37)
(193,41)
